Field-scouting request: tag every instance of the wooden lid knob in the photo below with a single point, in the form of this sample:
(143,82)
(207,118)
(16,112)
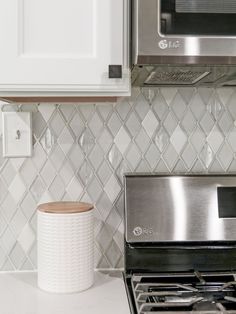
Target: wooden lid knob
(65,207)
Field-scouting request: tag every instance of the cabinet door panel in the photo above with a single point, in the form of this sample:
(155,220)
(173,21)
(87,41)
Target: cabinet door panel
(56,28)
(56,44)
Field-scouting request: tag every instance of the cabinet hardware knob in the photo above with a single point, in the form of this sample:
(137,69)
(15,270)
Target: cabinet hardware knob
(115,71)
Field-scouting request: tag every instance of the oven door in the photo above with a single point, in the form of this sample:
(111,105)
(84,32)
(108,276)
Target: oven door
(184,31)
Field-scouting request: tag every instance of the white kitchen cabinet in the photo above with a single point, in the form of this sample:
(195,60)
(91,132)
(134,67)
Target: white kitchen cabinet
(63,47)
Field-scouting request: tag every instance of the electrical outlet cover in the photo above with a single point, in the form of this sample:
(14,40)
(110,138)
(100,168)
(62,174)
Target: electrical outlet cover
(17,134)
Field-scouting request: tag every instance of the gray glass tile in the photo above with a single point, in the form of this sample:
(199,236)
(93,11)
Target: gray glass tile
(114,123)
(199,167)
(8,172)
(215,139)
(149,94)
(65,141)
(152,156)
(94,189)
(150,123)
(198,106)
(8,240)
(178,105)
(77,124)
(216,167)
(37,188)
(48,173)
(113,254)
(104,206)
(180,167)
(224,94)
(207,156)
(170,123)
(28,172)
(205,93)
(17,223)
(81,152)
(207,123)
(225,156)
(189,155)
(96,124)
(133,124)
(198,139)
(141,106)
(87,141)
(105,110)
(8,207)
(17,256)
(105,140)
(171,157)
(56,123)
(96,157)
(57,157)
(112,188)
(178,139)
(74,189)
(76,156)
(143,166)
(46,110)
(162,167)
(104,172)
(122,108)
(114,157)
(187,93)
(142,140)
(86,110)
(215,107)
(133,156)
(160,106)
(66,173)
(38,123)
(225,122)
(85,172)
(28,206)
(67,111)
(188,122)
(48,140)
(169,93)
(57,188)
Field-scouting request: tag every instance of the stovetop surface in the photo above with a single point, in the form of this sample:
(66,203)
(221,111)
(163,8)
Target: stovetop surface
(182,292)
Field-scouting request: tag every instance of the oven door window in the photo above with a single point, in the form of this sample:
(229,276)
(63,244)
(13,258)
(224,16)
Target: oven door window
(198,17)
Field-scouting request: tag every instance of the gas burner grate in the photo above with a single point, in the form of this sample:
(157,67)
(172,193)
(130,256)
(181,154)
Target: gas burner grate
(173,293)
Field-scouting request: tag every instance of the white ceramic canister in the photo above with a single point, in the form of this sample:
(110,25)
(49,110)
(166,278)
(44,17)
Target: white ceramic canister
(65,247)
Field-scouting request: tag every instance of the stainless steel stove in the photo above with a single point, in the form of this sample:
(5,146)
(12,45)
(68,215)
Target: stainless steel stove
(180,243)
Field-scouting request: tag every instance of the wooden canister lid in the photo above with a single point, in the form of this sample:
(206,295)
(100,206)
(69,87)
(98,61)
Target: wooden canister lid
(65,207)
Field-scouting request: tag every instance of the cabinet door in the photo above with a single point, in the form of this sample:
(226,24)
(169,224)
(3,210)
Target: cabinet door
(63,46)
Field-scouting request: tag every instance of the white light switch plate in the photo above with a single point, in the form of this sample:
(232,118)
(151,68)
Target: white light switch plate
(17,134)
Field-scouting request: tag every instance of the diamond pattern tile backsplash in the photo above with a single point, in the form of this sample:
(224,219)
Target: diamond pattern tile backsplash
(82,151)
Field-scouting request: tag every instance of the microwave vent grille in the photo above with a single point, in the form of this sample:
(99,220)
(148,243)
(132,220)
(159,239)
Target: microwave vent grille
(165,77)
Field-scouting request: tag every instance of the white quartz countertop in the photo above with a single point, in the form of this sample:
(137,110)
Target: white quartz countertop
(19,295)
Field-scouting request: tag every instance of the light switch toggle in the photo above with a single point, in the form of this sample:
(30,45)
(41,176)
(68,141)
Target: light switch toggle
(18,134)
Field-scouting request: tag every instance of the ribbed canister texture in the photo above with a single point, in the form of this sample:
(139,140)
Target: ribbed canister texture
(65,251)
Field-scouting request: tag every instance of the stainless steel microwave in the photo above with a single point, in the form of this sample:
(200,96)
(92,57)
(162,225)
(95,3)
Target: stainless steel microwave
(197,34)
